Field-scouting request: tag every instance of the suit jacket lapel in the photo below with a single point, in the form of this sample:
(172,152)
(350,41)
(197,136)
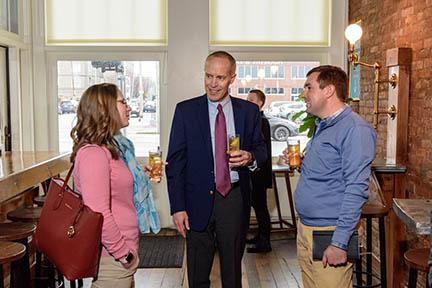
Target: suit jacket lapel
(203,119)
(238,119)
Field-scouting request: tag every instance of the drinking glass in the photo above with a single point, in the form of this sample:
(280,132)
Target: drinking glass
(155,162)
(294,155)
(233,143)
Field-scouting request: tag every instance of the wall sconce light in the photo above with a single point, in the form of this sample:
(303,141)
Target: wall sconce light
(353,33)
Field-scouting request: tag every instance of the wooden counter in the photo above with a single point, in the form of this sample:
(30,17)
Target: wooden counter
(415,213)
(380,166)
(22,170)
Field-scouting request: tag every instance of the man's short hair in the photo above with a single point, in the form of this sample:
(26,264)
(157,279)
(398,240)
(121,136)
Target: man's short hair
(261,96)
(226,55)
(332,75)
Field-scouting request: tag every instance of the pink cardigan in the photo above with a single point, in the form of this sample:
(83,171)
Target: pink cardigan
(106,186)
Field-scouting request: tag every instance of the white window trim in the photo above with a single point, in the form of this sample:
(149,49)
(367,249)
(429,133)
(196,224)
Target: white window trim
(20,79)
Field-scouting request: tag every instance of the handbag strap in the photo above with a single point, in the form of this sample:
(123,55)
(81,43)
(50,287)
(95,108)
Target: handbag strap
(66,181)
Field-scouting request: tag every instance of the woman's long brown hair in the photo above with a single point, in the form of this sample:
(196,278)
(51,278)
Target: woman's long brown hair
(98,119)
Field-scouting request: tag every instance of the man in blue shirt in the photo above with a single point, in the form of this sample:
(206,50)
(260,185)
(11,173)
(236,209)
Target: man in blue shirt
(334,179)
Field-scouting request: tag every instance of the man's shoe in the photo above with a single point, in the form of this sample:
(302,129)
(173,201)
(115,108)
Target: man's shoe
(259,249)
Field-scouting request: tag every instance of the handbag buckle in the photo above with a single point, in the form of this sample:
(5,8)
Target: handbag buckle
(71,231)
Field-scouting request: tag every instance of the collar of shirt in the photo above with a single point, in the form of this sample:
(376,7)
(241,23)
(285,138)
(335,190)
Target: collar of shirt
(321,123)
(224,102)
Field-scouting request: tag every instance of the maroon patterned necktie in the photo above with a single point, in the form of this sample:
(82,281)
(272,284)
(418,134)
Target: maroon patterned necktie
(223,179)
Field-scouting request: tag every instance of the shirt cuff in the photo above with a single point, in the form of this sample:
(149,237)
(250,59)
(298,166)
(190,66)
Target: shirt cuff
(339,245)
(252,167)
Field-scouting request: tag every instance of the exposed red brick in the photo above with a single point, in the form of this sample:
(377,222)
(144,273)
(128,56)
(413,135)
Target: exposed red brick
(405,23)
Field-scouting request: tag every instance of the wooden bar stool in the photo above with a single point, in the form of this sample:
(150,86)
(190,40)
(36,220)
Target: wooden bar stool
(39,200)
(369,212)
(11,252)
(76,283)
(417,260)
(32,215)
(25,214)
(19,232)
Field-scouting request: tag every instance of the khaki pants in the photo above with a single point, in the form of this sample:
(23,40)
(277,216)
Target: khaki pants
(112,274)
(313,273)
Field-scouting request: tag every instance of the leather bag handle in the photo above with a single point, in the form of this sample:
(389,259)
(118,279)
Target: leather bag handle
(67,178)
(63,188)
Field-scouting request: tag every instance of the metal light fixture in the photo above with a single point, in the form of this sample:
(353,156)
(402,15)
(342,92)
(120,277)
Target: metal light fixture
(353,33)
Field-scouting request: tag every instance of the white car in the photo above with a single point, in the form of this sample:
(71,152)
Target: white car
(288,110)
(274,108)
(285,109)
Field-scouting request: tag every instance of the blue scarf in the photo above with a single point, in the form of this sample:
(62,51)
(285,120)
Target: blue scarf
(148,217)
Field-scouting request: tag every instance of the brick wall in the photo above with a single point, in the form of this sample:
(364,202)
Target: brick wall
(401,23)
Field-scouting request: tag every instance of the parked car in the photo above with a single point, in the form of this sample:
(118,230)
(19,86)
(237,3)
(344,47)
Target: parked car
(281,129)
(285,109)
(289,109)
(149,106)
(273,109)
(135,110)
(67,106)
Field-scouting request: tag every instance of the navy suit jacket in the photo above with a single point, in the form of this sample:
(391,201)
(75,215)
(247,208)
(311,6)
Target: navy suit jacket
(190,169)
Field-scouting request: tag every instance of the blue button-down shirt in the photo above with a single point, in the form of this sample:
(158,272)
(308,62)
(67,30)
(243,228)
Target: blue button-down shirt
(334,179)
(229,119)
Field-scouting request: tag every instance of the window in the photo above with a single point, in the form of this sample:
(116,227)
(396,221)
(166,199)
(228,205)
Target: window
(274,91)
(243,91)
(295,93)
(101,22)
(279,89)
(9,15)
(139,82)
(248,72)
(270,23)
(299,71)
(4,111)
(275,72)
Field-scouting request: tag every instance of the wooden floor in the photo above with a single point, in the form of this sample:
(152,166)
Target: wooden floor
(278,268)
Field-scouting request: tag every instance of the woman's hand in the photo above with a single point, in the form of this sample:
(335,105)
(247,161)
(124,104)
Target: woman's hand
(133,263)
(153,178)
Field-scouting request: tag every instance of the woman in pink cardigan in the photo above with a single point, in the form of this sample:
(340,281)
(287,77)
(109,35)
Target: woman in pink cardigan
(106,182)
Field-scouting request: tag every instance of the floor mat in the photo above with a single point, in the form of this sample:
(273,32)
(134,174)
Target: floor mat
(161,251)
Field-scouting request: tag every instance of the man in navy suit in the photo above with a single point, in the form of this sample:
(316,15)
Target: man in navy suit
(209,190)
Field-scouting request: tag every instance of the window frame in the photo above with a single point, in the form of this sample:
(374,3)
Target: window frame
(64,54)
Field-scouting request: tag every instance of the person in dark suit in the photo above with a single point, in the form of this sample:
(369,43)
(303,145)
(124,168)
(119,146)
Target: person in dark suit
(261,180)
(209,189)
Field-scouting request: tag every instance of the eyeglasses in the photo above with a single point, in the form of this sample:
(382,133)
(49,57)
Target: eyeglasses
(123,101)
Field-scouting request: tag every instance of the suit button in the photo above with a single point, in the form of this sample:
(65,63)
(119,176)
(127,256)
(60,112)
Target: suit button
(211,192)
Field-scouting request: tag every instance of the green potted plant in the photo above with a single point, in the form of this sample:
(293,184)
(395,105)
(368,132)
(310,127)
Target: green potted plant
(309,121)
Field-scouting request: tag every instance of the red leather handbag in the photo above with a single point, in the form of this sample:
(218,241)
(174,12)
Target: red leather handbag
(69,232)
